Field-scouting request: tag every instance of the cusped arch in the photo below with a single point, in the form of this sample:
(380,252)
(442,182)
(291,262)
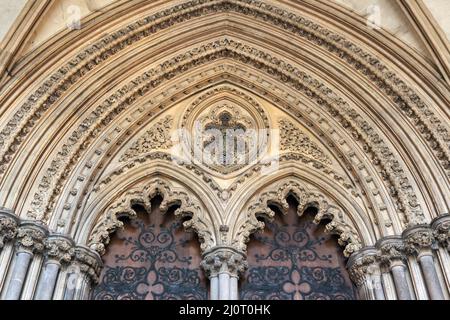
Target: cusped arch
(188,207)
(275,193)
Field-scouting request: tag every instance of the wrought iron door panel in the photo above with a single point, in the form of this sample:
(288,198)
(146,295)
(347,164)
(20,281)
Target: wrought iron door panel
(152,258)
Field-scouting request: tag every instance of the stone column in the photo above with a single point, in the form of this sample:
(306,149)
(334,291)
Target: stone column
(392,256)
(8,226)
(59,251)
(82,273)
(223,265)
(365,272)
(419,241)
(30,240)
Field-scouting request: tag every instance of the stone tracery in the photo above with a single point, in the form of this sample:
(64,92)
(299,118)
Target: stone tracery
(392,171)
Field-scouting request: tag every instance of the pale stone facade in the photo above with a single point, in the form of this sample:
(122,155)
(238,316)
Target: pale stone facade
(105,104)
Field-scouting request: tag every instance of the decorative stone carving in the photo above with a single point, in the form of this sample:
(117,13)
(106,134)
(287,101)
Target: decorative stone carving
(362,265)
(89,262)
(391,251)
(31,236)
(441,230)
(230,125)
(418,239)
(188,208)
(225,194)
(224,259)
(277,195)
(225,89)
(370,66)
(294,140)
(226,130)
(59,249)
(393,172)
(8,227)
(158,137)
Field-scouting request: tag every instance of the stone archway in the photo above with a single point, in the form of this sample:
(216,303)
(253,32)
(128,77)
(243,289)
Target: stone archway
(355,124)
(152,258)
(295,259)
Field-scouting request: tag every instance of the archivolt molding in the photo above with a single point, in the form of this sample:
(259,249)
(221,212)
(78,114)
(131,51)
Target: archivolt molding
(333,174)
(277,194)
(144,160)
(189,208)
(392,171)
(255,108)
(427,123)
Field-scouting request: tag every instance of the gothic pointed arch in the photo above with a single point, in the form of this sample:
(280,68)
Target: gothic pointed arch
(142,100)
(307,196)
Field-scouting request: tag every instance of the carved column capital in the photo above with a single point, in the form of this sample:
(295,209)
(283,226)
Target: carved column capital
(441,230)
(362,265)
(9,223)
(418,239)
(391,251)
(59,249)
(224,260)
(31,236)
(89,262)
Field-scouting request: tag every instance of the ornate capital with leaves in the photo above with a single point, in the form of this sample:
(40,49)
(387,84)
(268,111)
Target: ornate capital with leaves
(362,265)
(8,227)
(391,251)
(89,262)
(31,236)
(59,249)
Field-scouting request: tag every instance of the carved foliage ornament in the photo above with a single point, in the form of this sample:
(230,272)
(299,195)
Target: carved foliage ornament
(348,237)
(392,251)
(89,263)
(224,260)
(158,137)
(442,233)
(8,228)
(188,208)
(418,239)
(362,268)
(294,140)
